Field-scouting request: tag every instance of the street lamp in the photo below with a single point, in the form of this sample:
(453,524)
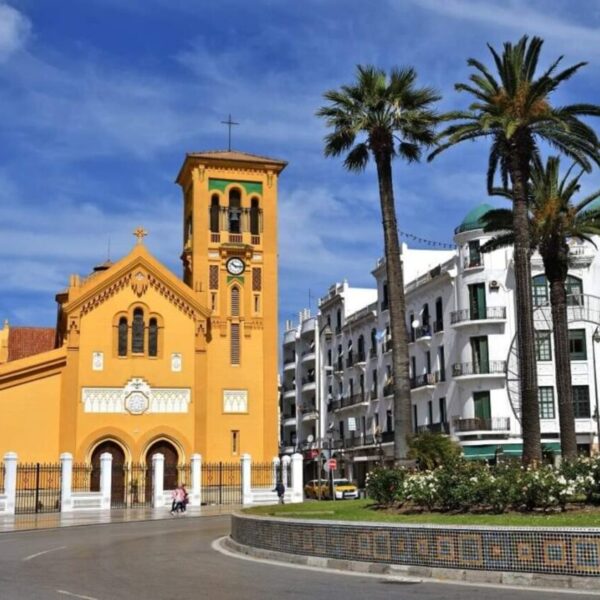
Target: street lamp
(327,334)
(595,340)
(329,435)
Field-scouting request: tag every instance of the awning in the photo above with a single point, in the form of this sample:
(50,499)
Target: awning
(489,450)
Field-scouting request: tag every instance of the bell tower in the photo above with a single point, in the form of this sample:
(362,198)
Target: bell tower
(230,260)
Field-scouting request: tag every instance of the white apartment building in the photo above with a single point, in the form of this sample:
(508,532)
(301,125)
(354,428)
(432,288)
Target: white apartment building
(460,307)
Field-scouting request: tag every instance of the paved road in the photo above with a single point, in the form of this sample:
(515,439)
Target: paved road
(165,560)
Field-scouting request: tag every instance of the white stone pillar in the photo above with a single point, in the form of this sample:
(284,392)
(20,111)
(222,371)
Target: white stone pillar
(246,479)
(285,464)
(276,465)
(158,476)
(66,482)
(196,469)
(105,479)
(10,481)
(297,478)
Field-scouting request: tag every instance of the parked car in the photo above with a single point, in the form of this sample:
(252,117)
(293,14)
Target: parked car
(311,489)
(343,489)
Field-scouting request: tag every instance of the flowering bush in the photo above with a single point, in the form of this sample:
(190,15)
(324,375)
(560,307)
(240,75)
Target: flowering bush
(461,485)
(385,485)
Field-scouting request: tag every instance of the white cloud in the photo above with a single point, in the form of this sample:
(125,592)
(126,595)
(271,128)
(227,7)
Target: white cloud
(15,29)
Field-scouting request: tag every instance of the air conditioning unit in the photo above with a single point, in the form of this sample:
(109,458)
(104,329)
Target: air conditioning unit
(494,285)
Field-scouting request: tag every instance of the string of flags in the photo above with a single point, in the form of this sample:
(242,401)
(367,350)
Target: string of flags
(420,240)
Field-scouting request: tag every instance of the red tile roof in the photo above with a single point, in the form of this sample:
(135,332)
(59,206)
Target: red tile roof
(27,341)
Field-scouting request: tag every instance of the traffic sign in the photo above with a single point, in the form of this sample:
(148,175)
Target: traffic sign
(332,464)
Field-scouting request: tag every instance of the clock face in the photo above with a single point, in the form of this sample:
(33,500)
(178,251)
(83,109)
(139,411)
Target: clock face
(136,403)
(235,266)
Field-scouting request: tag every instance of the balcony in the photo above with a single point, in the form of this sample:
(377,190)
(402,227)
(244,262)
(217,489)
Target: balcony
(427,380)
(438,326)
(423,333)
(387,436)
(236,238)
(309,412)
(434,428)
(339,364)
(349,361)
(308,356)
(289,391)
(288,420)
(480,424)
(361,359)
(289,363)
(308,383)
(491,314)
(472,262)
(492,368)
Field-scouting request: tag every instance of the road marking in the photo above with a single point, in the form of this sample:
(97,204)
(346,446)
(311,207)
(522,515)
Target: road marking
(65,593)
(43,552)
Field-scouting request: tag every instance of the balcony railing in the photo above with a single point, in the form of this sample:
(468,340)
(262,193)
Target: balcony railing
(423,332)
(308,379)
(438,326)
(339,364)
(387,436)
(309,408)
(373,394)
(489,313)
(471,262)
(492,367)
(349,361)
(360,357)
(235,238)
(422,380)
(434,428)
(387,345)
(480,424)
(255,240)
(215,238)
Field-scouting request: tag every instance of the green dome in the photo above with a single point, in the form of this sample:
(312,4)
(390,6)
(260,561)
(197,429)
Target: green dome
(473,218)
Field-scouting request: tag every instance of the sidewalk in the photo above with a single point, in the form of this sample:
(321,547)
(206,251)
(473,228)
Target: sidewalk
(95,517)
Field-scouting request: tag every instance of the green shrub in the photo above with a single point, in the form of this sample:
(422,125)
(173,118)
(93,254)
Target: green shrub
(385,485)
(431,450)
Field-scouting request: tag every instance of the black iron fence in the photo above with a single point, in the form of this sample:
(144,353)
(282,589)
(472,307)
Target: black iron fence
(82,477)
(185,475)
(38,488)
(221,483)
(2,478)
(263,475)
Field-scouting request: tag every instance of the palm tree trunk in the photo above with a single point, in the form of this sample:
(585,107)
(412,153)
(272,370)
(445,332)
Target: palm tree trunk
(397,308)
(530,413)
(558,301)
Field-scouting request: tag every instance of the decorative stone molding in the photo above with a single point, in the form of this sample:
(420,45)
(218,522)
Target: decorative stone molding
(97,361)
(235,401)
(136,397)
(176,362)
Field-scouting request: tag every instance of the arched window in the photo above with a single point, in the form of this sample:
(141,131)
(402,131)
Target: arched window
(338,321)
(361,348)
(214,214)
(235,301)
(153,337)
(137,332)
(539,290)
(122,351)
(349,361)
(574,289)
(373,342)
(235,202)
(254,217)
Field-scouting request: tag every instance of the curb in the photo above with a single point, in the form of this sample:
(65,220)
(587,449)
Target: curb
(413,574)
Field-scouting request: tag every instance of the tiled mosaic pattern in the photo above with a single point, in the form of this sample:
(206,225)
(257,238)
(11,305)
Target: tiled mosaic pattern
(556,552)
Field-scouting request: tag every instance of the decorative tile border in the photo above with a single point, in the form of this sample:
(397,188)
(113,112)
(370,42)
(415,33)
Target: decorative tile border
(535,550)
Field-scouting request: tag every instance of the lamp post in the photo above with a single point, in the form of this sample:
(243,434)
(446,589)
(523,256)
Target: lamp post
(330,434)
(328,335)
(595,340)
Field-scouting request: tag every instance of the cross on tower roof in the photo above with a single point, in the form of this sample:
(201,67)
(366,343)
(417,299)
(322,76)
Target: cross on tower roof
(229,123)
(140,233)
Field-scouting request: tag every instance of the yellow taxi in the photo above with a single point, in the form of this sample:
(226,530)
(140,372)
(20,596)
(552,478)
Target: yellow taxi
(343,490)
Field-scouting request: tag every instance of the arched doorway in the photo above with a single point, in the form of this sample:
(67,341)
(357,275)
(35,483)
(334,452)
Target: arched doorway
(118,471)
(169,451)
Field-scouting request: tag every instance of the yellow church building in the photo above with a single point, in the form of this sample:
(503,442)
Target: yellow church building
(142,361)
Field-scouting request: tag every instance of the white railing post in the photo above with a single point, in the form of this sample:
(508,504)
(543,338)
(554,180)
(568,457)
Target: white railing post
(285,467)
(246,479)
(196,469)
(276,465)
(105,479)
(10,481)
(158,474)
(66,482)
(297,478)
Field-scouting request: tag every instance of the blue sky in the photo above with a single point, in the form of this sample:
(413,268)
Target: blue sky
(101,99)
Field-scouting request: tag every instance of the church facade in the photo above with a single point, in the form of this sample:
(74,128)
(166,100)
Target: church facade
(142,361)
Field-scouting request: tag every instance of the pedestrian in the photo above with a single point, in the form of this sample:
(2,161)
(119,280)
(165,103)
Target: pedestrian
(280,489)
(178,497)
(186,499)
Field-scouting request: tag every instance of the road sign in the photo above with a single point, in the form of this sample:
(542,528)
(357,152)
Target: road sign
(332,464)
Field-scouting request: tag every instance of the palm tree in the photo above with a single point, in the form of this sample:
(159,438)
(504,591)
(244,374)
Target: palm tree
(392,117)
(553,220)
(513,110)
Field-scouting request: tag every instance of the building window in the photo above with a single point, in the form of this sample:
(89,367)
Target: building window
(235,202)
(581,401)
(474,259)
(235,442)
(137,332)
(477,301)
(338,321)
(546,401)
(213,277)
(214,214)
(385,298)
(123,330)
(442,407)
(439,316)
(482,406)
(415,423)
(256,279)
(153,337)
(577,348)
(543,346)
(213,301)
(389,421)
(256,303)
(442,363)
(574,289)
(235,344)
(254,217)
(235,301)
(539,290)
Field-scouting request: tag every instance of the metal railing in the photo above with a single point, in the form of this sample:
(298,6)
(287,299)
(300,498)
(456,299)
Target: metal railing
(422,380)
(423,332)
(489,312)
(388,389)
(221,483)
(492,367)
(236,238)
(308,408)
(434,428)
(38,488)
(481,424)
(470,263)
(82,477)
